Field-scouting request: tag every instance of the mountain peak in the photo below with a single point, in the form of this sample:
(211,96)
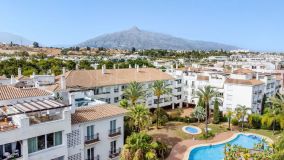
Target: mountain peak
(142,39)
(134,29)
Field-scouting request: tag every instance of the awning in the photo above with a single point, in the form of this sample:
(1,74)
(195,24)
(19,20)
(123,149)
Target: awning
(30,106)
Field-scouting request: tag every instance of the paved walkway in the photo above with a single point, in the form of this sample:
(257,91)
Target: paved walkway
(179,150)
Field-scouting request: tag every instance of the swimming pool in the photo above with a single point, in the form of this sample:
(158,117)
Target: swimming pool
(191,130)
(216,152)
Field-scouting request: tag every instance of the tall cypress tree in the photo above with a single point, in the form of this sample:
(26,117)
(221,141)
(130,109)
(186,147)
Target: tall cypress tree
(216,114)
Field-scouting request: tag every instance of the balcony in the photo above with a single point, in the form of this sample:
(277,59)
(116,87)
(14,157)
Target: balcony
(92,139)
(114,132)
(114,153)
(6,124)
(94,158)
(41,118)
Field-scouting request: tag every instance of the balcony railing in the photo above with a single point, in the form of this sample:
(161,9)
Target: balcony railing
(7,124)
(44,118)
(94,158)
(114,153)
(92,139)
(114,132)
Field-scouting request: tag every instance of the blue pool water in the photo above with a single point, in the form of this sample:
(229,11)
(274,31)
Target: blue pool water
(191,129)
(216,152)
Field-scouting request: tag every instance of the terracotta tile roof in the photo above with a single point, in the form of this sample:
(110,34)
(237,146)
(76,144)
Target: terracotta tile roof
(95,78)
(93,113)
(202,78)
(252,82)
(243,71)
(10,92)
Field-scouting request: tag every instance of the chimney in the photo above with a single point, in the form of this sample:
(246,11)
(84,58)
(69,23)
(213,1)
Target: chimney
(19,72)
(103,69)
(63,82)
(137,68)
(63,70)
(12,79)
(130,66)
(36,84)
(72,103)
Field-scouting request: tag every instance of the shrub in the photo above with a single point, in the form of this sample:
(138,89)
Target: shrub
(255,121)
(175,114)
(163,116)
(204,136)
(235,121)
(223,118)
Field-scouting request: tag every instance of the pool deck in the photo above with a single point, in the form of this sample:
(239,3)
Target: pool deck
(180,149)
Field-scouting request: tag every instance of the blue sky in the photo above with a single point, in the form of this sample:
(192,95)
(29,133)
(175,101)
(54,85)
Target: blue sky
(253,24)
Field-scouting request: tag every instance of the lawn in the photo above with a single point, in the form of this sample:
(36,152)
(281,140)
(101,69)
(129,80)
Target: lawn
(267,133)
(172,132)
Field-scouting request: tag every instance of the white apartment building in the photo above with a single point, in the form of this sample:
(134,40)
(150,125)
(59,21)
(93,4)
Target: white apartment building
(97,133)
(33,125)
(86,87)
(36,125)
(240,87)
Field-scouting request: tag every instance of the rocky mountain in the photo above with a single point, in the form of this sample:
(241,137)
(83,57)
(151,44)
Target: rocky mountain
(16,39)
(141,39)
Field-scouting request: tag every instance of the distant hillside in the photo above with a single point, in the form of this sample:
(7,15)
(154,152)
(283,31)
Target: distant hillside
(16,39)
(140,39)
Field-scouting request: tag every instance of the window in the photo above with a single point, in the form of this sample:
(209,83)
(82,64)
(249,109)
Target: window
(90,153)
(32,145)
(116,99)
(58,138)
(155,101)
(116,89)
(1,151)
(113,125)
(8,147)
(50,140)
(178,81)
(178,97)
(179,89)
(41,142)
(113,147)
(90,132)
(44,141)
(107,100)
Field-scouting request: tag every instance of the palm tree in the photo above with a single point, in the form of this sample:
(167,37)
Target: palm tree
(133,92)
(139,146)
(206,94)
(242,111)
(159,89)
(229,115)
(124,103)
(271,116)
(278,101)
(139,116)
(199,113)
